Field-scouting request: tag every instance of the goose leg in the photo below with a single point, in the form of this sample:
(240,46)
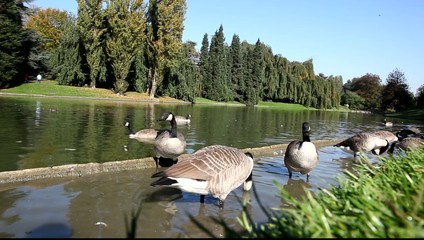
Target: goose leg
(202,198)
(156,161)
(221,204)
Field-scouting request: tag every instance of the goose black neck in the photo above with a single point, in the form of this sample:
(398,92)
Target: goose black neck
(130,129)
(173,126)
(306,137)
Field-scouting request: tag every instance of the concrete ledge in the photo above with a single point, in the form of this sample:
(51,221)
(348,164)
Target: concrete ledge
(79,170)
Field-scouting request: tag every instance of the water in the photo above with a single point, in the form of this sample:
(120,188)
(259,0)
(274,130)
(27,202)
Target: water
(42,132)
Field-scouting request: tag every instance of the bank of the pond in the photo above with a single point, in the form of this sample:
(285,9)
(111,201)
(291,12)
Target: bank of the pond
(79,170)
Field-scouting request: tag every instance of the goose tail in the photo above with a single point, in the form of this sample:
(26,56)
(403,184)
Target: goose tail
(163,181)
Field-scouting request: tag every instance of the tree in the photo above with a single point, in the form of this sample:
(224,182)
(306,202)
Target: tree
(204,64)
(67,62)
(236,69)
(420,97)
(92,28)
(14,44)
(164,38)
(48,24)
(217,86)
(185,78)
(395,95)
(369,88)
(127,24)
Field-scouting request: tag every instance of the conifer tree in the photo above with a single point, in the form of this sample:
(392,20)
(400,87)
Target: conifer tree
(14,44)
(91,22)
(164,38)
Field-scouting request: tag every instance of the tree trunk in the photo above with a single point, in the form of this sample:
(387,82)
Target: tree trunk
(153,84)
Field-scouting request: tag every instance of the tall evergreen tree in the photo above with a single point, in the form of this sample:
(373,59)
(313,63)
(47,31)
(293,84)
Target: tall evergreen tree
(164,38)
(67,61)
(257,79)
(236,68)
(217,87)
(14,44)
(92,27)
(270,72)
(204,64)
(127,24)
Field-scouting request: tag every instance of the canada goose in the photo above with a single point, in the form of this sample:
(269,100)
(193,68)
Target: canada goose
(408,132)
(144,135)
(216,170)
(377,142)
(183,120)
(389,136)
(408,144)
(409,139)
(387,124)
(169,143)
(301,156)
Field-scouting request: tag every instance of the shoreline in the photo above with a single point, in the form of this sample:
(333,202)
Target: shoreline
(81,170)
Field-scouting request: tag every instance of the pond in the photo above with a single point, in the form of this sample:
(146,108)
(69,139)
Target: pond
(45,132)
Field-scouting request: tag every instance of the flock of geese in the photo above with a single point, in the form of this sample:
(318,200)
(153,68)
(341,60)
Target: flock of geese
(217,170)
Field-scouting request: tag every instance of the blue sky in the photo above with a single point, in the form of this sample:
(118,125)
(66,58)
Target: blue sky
(346,38)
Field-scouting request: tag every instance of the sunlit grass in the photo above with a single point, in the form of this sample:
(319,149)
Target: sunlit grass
(51,88)
(383,201)
(285,106)
(205,100)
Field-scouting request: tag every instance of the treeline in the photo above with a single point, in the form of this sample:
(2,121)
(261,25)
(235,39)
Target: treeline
(133,45)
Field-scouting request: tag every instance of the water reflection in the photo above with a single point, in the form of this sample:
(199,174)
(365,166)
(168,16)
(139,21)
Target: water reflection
(81,131)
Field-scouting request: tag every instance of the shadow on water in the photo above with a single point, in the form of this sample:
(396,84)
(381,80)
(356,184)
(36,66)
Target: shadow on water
(50,230)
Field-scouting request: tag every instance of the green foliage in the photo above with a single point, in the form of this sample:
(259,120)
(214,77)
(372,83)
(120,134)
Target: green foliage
(218,87)
(126,24)
(164,34)
(382,201)
(14,44)
(369,88)
(353,100)
(395,93)
(92,26)
(184,80)
(67,62)
(420,97)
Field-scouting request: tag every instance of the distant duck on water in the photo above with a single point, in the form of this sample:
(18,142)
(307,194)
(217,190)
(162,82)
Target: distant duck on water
(387,124)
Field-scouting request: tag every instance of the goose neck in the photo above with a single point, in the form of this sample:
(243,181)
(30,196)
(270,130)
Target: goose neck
(306,137)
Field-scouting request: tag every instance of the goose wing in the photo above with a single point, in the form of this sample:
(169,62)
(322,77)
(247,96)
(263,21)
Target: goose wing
(206,163)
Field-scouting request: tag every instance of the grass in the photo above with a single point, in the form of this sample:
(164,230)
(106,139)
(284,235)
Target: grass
(382,201)
(285,106)
(417,114)
(51,88)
